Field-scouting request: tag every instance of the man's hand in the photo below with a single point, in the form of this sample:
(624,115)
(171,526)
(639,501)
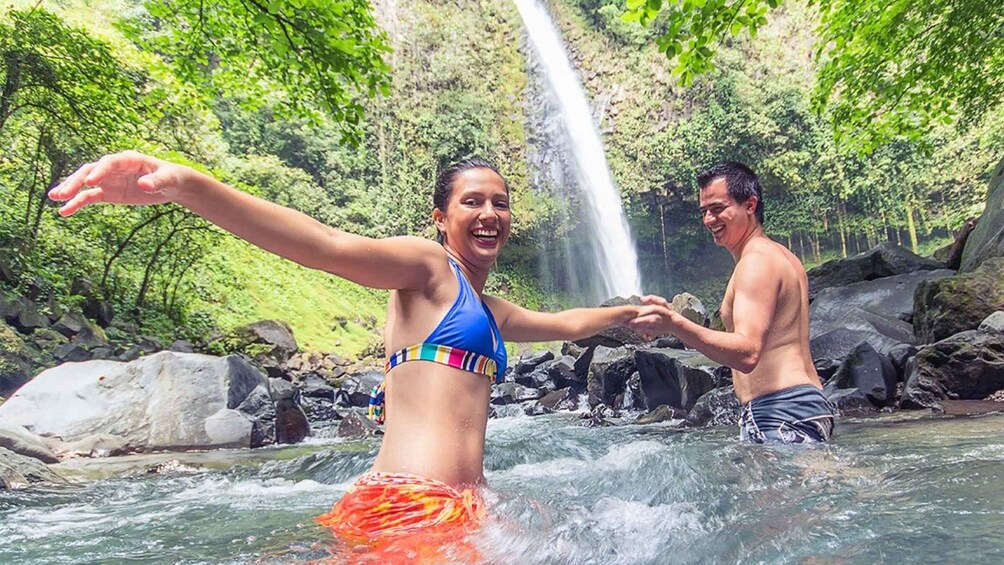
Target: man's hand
(123,178)
(655,318)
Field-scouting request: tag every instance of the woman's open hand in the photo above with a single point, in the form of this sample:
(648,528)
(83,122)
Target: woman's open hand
(123,178)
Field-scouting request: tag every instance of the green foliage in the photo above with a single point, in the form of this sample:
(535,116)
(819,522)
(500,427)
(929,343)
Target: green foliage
(319,54)
(887,69)
(692,29)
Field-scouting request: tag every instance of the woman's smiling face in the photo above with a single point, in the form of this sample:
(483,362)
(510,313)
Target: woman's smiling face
(477,219)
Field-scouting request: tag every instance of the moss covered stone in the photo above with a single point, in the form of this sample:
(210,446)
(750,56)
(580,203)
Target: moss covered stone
(14,360)
(945,307)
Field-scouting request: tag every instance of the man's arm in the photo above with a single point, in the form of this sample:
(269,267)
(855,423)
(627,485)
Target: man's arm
(521,325)
(756,285)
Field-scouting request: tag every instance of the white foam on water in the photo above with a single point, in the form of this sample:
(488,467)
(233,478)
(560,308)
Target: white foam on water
(618,458)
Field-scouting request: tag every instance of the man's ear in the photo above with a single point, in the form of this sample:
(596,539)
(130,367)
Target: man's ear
(751,204)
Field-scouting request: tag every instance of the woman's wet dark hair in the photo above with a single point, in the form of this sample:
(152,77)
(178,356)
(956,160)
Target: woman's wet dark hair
(444,182)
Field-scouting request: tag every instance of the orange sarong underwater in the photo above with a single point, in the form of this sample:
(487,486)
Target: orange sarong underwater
(403,518)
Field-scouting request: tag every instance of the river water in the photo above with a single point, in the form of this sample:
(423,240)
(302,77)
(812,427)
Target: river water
(886,491)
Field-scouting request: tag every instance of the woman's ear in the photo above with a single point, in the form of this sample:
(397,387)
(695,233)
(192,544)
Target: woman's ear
(439,220)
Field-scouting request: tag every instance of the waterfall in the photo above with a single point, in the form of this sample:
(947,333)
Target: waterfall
(572,162)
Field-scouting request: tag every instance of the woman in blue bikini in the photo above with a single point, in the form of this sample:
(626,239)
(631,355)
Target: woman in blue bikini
(444,337)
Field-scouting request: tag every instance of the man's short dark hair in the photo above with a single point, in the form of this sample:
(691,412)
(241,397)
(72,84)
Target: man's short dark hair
(740,181)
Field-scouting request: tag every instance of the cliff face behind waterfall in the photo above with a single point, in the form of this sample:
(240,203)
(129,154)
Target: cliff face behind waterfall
(461,85)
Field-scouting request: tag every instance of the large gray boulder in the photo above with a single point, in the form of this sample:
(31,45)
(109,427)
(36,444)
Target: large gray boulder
(987,240)
(945,307)
(884,260)
(608,374)
(164,401)
(18,471)
(888,297)
(270,343)
(21,441)
(965,366)
(674,377)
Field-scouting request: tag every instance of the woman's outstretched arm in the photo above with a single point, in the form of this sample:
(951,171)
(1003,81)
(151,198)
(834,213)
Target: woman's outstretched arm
(136,179)
(519,324)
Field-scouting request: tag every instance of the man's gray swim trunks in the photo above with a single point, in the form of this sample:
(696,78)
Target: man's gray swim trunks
(792,415)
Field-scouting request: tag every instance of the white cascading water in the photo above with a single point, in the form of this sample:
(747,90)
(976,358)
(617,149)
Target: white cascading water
(615,255)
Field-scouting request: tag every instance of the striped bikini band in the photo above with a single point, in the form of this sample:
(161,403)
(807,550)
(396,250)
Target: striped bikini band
(466,360)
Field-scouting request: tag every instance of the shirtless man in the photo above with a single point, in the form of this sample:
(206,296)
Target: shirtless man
(766,316)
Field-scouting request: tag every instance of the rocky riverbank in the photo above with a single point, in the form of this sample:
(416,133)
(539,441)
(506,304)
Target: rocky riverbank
(889,331)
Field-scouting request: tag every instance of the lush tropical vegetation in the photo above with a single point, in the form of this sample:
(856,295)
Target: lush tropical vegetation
(346,111)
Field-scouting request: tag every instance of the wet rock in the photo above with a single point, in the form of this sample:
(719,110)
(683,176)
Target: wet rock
(661,414)
(357,388)
(966,366)
(826,368)
(987,239)
(889,297)
(18,471)
(356,426)
(314,386)
(21,441)
(668,342)
(582,362)
(608,374)
(674,377)
(262,410)
(291,425)
(563,399)
(718,407)
(319,410)
(528,363)
(513,393)
(838,343)
(850,401)
(617,336)
(870,372)
(538,377)
(563,374)
(885,260)
(164,401)
(994,323)
(599,416)
(898,356)
(956,304)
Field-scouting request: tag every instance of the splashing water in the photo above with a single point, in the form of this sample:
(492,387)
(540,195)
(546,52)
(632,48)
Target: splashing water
(884,491)
(612,248)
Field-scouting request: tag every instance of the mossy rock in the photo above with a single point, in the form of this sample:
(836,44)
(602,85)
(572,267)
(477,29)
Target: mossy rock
(987,239)
(15,361)
(945,307)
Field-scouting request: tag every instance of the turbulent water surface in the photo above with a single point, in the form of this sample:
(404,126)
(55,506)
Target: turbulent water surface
(929,490)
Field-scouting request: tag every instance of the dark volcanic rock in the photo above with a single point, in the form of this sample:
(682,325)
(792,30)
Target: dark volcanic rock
(870,372)
(948,306)
(849,401)
(674,377)
(885,260)
(608,374)
(661,414)
(966,366)
(718,407)
(838,343)
(564,399)
(528,363)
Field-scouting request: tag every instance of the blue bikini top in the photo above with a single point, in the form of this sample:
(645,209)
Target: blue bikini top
(467,337)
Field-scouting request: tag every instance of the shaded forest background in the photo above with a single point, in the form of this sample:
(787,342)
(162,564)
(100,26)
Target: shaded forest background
(84,78)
